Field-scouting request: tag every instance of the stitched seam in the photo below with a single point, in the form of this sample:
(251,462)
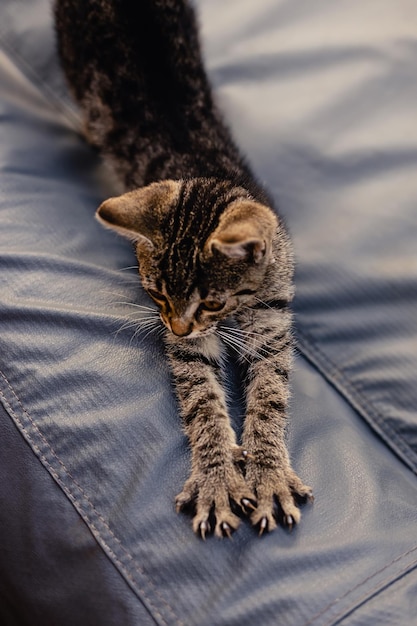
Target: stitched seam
(344,387)
(369,408)
(370,592)
(80,506)
(373,592)
(363,406)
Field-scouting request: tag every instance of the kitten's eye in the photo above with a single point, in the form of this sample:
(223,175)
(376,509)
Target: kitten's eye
(158,297)
(212,305)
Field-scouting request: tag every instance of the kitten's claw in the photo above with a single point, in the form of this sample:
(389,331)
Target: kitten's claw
(263,525)
(214,494)
(203,529)
(240,454)
(303,494)
(227,530)
(247,455)
(309,496)
(279,492)
(248,505)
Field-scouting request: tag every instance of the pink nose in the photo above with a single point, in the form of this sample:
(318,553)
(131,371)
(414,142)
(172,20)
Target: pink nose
(180,327)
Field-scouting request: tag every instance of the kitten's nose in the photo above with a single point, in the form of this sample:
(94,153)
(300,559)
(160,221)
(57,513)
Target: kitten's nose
(181,327)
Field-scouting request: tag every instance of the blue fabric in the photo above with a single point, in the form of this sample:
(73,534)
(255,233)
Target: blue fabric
(321,97)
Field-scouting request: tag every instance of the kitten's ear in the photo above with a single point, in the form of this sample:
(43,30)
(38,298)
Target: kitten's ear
(244,232)
(137,214)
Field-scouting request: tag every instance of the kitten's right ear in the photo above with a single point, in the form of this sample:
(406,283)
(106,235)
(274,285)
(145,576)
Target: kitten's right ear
(137,214)
(244,232)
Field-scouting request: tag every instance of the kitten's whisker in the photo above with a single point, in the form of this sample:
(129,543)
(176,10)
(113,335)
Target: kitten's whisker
(241,331)
(152,329)
(233,342)
(239,351)
(129,267)
(135,317)
(138,319)
(143,314)
(148,323)
(137,306)
(236,349)
(132,324)
(262,302)
(114,293)
(126,326)
(141,323)
(255,337)
(246,335)
(140,316)
(147,329)
(155,324)
(265,304)
(245,348)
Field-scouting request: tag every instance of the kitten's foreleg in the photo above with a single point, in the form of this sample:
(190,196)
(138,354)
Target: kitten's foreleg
(215,478)
(267,334)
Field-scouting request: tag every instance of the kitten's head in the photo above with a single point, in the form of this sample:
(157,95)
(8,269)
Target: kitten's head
(203,247)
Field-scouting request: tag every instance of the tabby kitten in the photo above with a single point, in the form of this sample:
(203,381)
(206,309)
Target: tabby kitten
(208,244)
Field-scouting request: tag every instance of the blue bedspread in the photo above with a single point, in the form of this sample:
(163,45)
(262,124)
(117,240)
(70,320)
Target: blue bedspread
(322,97)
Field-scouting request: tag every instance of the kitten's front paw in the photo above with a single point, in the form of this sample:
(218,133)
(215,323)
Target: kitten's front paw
(211,492)
(276,485)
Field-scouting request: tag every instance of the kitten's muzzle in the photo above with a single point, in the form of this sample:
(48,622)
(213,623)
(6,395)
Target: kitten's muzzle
(181,322)
(185,328)
(180,327)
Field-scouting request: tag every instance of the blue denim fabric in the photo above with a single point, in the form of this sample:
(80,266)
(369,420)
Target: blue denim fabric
(92,452)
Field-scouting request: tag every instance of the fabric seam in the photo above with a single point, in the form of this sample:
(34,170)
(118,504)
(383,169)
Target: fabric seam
(355,399)
(374,592)
(80,507)
(370,593)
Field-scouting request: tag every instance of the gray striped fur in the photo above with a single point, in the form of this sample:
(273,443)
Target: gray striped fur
(209,245)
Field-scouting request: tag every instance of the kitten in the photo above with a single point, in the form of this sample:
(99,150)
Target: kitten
(208,243)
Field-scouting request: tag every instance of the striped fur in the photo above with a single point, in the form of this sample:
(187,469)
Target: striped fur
(209,245)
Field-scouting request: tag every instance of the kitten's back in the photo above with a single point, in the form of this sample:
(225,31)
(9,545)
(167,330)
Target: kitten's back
(136,69)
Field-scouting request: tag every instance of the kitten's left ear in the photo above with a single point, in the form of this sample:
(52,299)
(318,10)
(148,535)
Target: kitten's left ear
(245,231)
(137,214)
